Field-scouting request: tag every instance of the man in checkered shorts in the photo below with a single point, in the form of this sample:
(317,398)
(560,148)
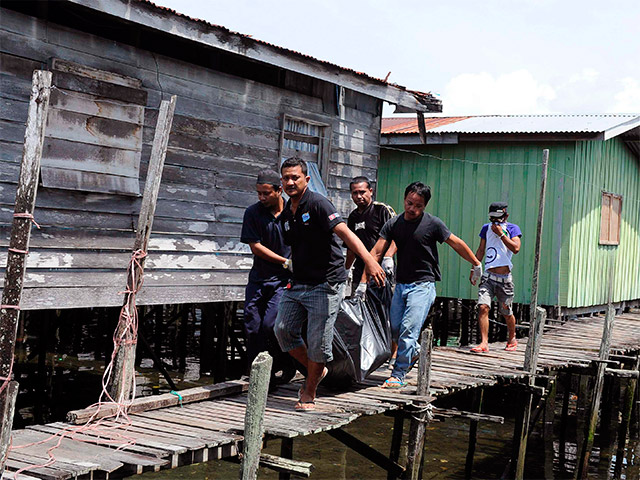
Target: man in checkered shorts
(499,241)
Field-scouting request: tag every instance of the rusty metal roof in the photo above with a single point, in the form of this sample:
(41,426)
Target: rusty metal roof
(614,124)
(423,97)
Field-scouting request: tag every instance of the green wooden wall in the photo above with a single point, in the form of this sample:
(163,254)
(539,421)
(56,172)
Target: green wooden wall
(611,167)
(465,179)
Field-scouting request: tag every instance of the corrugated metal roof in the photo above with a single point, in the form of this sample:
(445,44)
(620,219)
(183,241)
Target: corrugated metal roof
(283,49)
(527,124)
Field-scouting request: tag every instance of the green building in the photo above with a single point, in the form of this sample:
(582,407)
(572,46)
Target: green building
(592,209)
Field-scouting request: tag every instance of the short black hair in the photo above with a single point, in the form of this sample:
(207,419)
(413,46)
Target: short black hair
(419,188)
(294,162)
(360,179)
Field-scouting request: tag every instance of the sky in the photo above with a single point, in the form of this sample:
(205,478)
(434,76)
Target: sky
(480,57)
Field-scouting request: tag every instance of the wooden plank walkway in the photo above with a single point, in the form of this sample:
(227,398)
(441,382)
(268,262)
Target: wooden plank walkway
(212,429)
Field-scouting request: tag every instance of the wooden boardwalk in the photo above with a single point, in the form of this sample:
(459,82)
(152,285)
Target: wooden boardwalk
(212,429)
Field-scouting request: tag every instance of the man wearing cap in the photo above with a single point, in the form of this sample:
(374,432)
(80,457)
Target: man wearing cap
(270,272)
(499,241)
(366,221)
(311,225)
(417,235)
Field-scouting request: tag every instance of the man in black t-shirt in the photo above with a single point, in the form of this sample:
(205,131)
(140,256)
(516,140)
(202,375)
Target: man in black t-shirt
(311,225)
(416,234)
(366,221)
(269,274)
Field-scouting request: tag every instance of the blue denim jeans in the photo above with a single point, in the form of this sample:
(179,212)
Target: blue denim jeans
(409,309)
(319,306)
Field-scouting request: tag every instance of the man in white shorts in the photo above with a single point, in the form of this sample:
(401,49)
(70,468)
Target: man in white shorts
(499,240)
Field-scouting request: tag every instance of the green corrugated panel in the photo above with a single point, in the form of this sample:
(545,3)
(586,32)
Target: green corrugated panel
(462,192)
(611,167)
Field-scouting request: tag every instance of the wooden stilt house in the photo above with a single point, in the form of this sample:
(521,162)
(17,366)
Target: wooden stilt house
(592,209)
(242,105)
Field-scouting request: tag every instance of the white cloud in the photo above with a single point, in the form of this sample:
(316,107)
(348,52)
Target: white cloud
(627,100)
(484,94)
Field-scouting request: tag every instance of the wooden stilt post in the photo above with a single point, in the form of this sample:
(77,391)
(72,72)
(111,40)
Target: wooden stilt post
(120,387)
(536,261)
(530,365)
(286,451)
(396,443)
(562,437)
(19,245)
(627,408)
(254,415)
(584,452)
(418,421)
(478,395)
(549,419)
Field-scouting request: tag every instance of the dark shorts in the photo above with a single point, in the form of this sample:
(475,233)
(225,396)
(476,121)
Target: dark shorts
(498,286)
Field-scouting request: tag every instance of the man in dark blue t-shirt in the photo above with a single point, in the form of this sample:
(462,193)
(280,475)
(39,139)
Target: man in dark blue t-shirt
(312,226)
(416,234)
(270,272)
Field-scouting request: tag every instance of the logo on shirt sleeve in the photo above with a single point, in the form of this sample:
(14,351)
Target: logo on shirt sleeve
(334,216)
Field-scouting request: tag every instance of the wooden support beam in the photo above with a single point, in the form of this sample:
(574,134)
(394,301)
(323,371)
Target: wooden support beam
(473,416)
(145,404)
(538,244)
(254,415)
(530,365)
(396,442)
(549,419)
(123,374)
(19,244)
(422,131)
(418,421)
(286,465)
(286,451)
(627,408)
(367,452)
(478,395)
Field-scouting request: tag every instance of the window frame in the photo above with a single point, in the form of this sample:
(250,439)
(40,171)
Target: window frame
(610,219)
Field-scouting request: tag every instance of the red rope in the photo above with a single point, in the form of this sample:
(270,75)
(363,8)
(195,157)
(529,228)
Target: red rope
(111,433)
(26,215)
(15,250)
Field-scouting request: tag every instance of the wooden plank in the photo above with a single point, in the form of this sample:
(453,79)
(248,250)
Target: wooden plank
(19,244)
(91,158)
(93,86)
(79,127)
(161,401)
(84,71)
(123,381)
(75,180)
(97,106)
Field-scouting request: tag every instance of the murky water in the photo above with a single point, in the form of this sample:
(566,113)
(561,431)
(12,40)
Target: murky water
(65,373)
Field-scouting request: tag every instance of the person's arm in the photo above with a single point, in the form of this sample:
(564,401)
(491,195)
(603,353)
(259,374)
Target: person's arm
(371,266)
(391,251)
(263,252)
(481,249)
(462,249)
(351,257)
(512,244)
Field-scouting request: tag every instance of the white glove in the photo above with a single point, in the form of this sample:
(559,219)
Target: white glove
(387,266)
(361,291)
(288,265)
(476,273)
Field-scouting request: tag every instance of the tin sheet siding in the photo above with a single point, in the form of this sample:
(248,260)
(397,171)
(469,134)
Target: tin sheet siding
(611,167)
(462,191)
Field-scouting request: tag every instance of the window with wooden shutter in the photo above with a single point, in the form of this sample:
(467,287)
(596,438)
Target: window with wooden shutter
(610,219)
(308,140)
(93,137)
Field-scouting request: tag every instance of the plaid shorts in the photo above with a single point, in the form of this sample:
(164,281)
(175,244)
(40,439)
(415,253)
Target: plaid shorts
(319,306)
(499,286)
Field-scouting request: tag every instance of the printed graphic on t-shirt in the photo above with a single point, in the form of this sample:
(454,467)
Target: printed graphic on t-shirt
(305,217)
(359,226)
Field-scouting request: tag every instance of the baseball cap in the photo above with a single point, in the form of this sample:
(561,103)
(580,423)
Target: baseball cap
(498,209)
(268,177)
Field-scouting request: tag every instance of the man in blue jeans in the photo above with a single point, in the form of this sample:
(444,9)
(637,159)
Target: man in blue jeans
(416,234)
(311,225)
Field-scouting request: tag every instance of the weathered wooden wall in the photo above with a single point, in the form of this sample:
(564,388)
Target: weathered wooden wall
(225,130)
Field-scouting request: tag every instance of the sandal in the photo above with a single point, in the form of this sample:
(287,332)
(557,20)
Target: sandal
(304,384)
(392,383)
(305,406)
(479,349)
(512,347)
